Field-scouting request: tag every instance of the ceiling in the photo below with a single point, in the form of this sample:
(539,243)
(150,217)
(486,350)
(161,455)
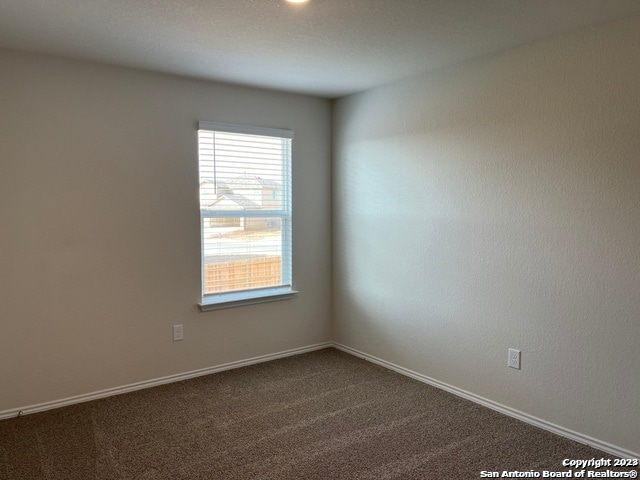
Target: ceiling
(328,48)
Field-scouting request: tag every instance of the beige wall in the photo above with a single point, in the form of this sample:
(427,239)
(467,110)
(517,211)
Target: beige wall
(497,205)
(99,251)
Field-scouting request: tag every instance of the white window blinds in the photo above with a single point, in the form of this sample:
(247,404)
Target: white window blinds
(245,210)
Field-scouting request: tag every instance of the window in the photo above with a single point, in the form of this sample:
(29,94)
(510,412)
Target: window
(245,212)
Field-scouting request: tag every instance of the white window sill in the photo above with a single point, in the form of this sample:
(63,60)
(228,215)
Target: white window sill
(239,299)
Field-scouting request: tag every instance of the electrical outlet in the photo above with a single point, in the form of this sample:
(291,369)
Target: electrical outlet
(514,358)
(178,333)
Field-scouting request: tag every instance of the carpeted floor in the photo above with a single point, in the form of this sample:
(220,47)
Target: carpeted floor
(322,415)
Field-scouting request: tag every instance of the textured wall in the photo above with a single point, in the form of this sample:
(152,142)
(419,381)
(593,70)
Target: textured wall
(496,205)
(100,248)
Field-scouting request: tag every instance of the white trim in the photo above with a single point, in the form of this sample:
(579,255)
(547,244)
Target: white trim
(537,422)
(287,206)
(246,297)
(243,213)
(158,381)
(247,129)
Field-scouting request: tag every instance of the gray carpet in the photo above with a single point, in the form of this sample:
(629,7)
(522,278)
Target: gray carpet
(322,415)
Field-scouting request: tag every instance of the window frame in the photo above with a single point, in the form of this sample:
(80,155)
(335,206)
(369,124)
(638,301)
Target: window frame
(285,291)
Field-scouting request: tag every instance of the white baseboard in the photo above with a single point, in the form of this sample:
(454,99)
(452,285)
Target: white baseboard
(158,381)
(564,432)
(537,422)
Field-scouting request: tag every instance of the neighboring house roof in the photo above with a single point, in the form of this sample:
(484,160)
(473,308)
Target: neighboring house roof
(249,182)
(229,199)
(243,182)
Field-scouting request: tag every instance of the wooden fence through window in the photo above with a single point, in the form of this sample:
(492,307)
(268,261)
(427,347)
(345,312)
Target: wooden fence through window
(243,274)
